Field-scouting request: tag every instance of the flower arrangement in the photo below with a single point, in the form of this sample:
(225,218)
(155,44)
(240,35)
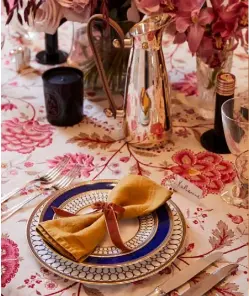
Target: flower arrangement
(207,26)
(47,15)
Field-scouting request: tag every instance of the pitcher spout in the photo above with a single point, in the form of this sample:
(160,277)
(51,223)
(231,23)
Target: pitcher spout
(151,24)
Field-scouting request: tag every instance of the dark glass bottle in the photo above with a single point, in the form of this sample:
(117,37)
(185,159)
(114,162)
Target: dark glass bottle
(214,140)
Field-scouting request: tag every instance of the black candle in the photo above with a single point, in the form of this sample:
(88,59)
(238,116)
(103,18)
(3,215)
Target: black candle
(63,91)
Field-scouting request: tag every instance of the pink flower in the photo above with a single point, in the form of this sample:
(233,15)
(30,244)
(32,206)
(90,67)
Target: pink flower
(28,164)
(155,6)
(157,129)
(8,106)
(125,159)
(10,260)
(236,219)
(188,85)
(51,285)
(84,160)
(194,19)
(190,247)
(115,165)
(205,169)
(116,172)
(230,19)
(24,137)
(206,50)
(148,6)
(133,124)
(13,172)
(14,83)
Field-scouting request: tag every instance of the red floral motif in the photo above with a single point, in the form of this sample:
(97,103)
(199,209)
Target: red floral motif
(124,159)
(205,169)
(13,172)
(184,133)
(24,137)
(14,83)
(8,107)
(133,124)
(28,164)
(51,285)
(84,160)
(32,281)
(236,219)
(157,129)
(188,85)
(190,247)
(10,260)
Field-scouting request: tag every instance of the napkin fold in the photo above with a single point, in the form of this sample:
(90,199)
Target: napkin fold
(76,237)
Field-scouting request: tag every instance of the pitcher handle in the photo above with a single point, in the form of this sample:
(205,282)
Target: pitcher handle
(98,61)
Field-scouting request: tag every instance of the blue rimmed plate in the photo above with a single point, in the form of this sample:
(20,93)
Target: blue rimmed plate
(155,239)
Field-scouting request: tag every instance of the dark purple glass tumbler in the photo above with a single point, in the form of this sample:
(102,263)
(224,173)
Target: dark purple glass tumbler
(63,92)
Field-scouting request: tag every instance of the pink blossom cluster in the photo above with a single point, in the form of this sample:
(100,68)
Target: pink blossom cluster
(208,27)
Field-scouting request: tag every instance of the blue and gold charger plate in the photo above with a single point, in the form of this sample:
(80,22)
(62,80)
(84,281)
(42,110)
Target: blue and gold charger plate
(155,239)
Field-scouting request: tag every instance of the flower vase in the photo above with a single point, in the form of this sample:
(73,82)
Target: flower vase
(115,61)
(206,80)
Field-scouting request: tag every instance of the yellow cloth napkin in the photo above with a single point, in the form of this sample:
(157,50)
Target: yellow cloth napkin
(76,237)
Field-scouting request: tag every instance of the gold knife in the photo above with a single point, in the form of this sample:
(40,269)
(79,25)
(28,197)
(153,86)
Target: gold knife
(185,275)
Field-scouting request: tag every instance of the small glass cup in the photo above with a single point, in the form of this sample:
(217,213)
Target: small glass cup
(238,194)
(236,124)
(236,128)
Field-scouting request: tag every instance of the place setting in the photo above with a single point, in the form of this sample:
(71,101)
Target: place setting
(131,148)
(110,232)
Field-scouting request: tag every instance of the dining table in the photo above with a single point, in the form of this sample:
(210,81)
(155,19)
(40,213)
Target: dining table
(95,145)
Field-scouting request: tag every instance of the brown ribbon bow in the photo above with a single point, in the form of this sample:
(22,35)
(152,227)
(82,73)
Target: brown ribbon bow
(111,211)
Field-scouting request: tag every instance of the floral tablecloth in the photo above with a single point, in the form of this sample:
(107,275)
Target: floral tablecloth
(30,145)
